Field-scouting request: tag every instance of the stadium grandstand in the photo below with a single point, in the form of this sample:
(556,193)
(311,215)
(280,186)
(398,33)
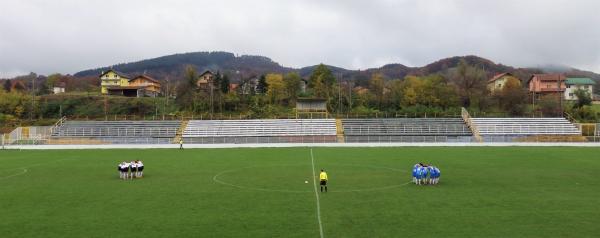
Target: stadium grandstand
(260,131)
(406,130)
(115,132)
(524,129)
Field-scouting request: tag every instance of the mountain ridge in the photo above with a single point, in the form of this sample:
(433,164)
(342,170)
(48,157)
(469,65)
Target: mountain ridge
(253,65)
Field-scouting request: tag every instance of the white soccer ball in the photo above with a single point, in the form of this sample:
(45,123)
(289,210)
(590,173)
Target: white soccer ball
(305,181)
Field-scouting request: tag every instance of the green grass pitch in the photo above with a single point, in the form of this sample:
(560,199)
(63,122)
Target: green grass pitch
(483,192)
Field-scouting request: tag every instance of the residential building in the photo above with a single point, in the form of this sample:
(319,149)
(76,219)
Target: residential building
(248,86)
(117,83)
(547,84)
(205,80)
(574,84)
(59,88)
(147,85)
(497,82)
(113,79)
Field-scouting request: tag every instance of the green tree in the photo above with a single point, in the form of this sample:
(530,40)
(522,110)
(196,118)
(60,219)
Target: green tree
(186,89)
(396,93)
(512,98)
(292,83)
(377,87)
(276,91)
(321,81)
(583,98)
(7,85)
(412,88)
(225,84)
(549,105)
(262,85)
(52,80)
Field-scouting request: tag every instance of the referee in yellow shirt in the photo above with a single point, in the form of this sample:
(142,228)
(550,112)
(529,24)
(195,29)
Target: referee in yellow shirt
(323,180)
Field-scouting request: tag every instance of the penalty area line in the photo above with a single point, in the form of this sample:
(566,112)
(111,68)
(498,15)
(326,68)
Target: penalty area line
(312,160)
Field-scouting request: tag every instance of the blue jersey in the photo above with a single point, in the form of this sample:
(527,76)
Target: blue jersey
(414,172)
(437,172)
(422,173)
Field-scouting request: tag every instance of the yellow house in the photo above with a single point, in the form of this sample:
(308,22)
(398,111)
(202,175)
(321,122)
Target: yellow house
(117,83)
(497,82)
(112,79)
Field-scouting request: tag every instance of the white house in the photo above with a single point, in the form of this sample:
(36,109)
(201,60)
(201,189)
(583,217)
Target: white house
(58,88)
(578,83)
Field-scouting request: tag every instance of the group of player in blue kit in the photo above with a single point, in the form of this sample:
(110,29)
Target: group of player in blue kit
(425,174)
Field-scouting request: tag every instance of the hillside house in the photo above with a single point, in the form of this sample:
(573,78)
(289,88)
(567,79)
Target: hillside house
(205,80)
(541,84)
(117,83)
(497,82)
(574,84)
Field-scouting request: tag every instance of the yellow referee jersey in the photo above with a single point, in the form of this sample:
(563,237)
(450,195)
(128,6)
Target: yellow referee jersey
(323,176)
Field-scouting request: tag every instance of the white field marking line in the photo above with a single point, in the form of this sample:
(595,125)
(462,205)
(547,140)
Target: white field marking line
(217,180)
(312,161)
(372,189)
(24,170)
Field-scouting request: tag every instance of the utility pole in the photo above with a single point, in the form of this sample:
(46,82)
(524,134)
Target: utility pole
(211,99)
(32,98)
(166,101)
(349,96)
(340,93)
(559,96)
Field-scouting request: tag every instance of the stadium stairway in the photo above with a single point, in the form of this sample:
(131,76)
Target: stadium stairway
(180,131)
(25,133)
(340,130)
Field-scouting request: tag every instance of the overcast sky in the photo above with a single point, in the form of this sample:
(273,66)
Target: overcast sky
(47,36)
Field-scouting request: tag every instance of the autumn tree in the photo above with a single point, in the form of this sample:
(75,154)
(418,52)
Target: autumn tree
(186,89)
(321,81)
(512,97)
(276,90)
(292,83)
(377,87)
(470,82)
(412,87)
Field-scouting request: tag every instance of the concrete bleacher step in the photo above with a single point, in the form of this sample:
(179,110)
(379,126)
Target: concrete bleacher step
(406,127)
(258,128)
(553,138)
(525,126)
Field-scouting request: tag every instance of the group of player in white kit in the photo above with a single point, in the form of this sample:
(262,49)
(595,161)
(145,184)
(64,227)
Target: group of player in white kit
(425,174)
(130,170)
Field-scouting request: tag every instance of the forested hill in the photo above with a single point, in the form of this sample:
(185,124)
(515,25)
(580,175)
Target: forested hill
(172,66)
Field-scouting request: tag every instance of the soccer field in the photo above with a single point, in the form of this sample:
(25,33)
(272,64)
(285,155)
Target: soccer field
(483,192)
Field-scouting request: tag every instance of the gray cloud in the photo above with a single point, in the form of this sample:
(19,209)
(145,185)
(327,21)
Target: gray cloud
(70,35)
